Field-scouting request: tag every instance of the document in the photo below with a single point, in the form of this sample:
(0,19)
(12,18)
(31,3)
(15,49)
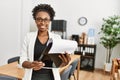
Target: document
(62,46)
(58,46)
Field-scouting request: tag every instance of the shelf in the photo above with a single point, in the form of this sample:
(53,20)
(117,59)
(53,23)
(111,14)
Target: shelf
(88,56)
(87,53)
(86,45)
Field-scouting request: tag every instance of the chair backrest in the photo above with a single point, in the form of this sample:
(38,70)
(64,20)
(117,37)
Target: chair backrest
(7,78)
(74,65)
(13,59)
(65,74)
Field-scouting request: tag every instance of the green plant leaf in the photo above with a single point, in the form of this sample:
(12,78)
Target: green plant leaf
(110,31)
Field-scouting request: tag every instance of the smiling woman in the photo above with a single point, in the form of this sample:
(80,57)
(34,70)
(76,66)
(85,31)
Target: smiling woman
(35,43)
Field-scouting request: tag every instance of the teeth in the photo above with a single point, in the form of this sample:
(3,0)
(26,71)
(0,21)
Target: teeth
(42,26)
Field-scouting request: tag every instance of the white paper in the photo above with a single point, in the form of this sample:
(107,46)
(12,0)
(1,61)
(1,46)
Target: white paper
(62,46)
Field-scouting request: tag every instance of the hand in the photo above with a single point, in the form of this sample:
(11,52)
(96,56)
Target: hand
(37,65)
(65,59)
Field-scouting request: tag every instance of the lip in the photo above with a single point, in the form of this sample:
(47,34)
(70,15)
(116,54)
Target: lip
(42,27)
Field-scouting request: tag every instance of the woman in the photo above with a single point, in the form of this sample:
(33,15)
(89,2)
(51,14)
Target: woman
(35,43)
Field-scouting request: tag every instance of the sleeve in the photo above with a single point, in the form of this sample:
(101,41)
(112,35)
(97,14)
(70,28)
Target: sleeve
(24,51)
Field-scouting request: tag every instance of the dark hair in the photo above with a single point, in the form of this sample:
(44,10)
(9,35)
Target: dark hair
(43,7)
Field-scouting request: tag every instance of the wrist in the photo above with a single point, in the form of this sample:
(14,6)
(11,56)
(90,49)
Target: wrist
(30,65)
(27,64)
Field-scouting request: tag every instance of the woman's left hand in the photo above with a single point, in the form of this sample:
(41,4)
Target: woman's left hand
(65,59)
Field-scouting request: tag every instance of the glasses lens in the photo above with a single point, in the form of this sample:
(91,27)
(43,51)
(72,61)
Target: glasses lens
(41,20)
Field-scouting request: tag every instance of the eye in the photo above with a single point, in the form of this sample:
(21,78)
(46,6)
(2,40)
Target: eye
(46,20)
(41,20)
(38,19)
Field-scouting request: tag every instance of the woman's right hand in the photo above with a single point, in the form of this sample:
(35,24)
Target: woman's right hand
(36,65)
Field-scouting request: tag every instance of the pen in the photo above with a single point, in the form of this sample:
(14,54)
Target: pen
(46,67)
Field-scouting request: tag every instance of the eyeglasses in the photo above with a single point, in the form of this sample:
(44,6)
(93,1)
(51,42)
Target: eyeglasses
(41,20)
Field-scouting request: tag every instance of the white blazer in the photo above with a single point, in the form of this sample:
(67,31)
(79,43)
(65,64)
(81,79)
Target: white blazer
(27,52)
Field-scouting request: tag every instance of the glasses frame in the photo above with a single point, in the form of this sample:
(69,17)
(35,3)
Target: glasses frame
(45,20)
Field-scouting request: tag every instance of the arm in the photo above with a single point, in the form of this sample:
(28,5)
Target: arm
(24,57)
(24,51)
(36,65)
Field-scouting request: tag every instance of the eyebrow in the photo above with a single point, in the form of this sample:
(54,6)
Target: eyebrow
(41,18)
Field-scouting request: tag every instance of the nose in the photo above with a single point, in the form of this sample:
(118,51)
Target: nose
(42,22)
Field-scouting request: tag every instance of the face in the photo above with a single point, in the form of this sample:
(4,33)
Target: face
(42,21)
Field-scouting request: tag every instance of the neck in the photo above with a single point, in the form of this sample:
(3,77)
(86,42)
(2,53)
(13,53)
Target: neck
(45,33)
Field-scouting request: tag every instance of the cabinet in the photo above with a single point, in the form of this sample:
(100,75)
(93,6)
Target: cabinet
(87,53)
(59,27)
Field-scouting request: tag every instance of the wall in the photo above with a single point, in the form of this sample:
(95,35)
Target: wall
(10,26)
(15,23)
(93,10)
(15,18)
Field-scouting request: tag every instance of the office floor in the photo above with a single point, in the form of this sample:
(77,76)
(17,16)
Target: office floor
(96,75)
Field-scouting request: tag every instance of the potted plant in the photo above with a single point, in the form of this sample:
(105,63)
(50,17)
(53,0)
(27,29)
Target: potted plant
(110,32)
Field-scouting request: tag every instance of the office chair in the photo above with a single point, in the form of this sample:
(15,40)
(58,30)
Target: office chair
(65,74)
(7,78)
(74,65)
(13,59)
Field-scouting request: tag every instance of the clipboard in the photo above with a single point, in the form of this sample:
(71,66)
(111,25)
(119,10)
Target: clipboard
(54,57)
(47,49)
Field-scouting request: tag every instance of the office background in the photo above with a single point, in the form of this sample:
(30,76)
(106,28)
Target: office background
(16,21)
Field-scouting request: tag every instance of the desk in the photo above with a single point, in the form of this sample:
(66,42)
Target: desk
(13,70)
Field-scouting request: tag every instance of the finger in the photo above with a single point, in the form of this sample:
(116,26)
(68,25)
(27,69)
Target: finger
(64,58)
(61,58)
(43,64)
(35,68)
(33,64)
(68,57)
(39,66)
(36,63)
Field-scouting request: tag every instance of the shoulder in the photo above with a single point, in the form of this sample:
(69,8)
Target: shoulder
(30,34)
